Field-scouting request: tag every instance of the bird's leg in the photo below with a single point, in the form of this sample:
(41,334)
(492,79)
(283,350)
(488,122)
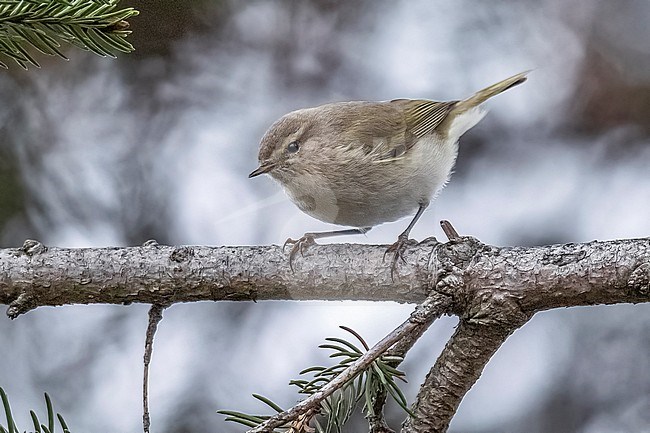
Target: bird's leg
(309,239)
(397,249)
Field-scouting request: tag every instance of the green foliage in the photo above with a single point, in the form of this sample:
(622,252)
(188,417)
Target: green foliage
(38,426)
(337,409)
(92,25)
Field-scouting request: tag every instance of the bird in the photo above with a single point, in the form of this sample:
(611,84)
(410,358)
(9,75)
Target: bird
(361,163)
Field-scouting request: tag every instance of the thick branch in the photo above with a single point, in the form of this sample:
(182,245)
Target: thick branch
(537,278)
(514,283)
(457,369)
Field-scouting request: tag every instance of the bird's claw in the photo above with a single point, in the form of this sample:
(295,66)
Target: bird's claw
(397,250)
(299,245)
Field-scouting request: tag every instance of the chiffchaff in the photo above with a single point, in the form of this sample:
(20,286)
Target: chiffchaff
(360,164)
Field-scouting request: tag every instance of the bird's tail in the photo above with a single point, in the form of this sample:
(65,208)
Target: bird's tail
(483,95)
(467,113)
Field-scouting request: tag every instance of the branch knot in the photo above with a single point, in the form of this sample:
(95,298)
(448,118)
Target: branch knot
(639,280)
(494,307)
(454,258)
(22,304)
(31,247)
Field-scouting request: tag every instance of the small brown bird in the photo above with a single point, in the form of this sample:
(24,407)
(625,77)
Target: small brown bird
(360,164)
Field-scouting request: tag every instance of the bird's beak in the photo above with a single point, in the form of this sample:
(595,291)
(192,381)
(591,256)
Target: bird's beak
(265,167)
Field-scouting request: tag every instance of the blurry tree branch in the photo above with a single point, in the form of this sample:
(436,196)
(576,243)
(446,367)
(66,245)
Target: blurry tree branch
(494,290)
(92,25)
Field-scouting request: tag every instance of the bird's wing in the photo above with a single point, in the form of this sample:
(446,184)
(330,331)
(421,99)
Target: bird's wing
(377,133)
(422,116)
(387,130)
(418,117)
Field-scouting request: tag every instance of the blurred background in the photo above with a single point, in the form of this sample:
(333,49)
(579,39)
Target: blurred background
(158,144)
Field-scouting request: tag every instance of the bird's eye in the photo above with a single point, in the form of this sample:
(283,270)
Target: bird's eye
(293,147)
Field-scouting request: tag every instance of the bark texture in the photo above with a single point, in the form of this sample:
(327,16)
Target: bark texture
(454,373)
(474,274)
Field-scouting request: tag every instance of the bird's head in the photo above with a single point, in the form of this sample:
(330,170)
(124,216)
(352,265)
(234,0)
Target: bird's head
(286,147)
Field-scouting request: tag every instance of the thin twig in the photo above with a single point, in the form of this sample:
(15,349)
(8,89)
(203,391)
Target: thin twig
(155,316)
(431,309)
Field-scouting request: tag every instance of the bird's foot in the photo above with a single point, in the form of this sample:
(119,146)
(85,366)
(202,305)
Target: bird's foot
(397,250)
(299,245)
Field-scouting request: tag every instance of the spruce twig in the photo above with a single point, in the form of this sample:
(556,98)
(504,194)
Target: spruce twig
(38,426)
(44,25)
(330,412)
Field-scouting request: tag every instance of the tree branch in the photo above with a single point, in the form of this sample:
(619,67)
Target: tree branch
(456,370)
(493,290)
(35,275)
(536,278)
(155,316)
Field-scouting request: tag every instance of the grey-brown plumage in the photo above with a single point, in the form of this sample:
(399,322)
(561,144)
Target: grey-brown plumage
(360,164)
